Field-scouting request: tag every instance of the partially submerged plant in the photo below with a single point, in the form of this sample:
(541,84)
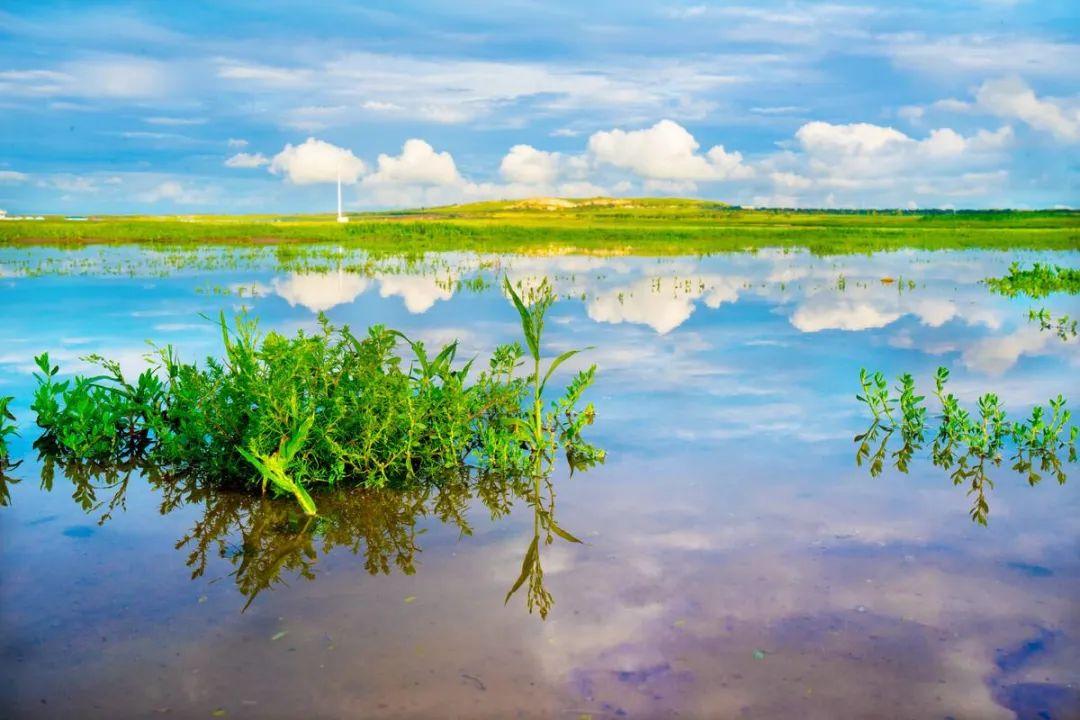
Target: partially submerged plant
(7,429)
(1039,281)
(287,415)
(543,431)
(1063,325)
(966,444)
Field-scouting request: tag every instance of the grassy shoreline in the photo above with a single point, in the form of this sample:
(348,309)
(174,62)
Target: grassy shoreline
(652,227)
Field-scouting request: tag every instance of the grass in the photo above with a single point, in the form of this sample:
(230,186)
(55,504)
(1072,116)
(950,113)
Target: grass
(602,226)
(965,444)
(290,415)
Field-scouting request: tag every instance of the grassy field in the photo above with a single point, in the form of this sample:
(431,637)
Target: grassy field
(601,226)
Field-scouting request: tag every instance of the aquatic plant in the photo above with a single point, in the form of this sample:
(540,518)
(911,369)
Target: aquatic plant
(1038,281)
(7,429)
(966,444)
(289,415)
(1063,325)
(320,409)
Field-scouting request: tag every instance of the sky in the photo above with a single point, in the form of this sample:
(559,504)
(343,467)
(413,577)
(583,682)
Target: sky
(255,107)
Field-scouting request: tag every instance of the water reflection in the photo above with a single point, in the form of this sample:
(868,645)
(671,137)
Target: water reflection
(267,540)
(733,522)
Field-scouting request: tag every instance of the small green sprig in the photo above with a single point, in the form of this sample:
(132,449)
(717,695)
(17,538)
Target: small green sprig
(965,444)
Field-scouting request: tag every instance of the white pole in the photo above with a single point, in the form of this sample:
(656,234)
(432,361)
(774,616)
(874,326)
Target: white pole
(339,193)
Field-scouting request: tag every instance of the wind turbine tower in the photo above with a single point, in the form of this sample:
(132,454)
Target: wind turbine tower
(341,218)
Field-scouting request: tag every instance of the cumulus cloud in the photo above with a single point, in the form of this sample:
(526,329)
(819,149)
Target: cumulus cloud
(1012,98)
(246,160)
(418,164)
(665,152)
(525,164)
(319,292)
(862,163)
(420,292)
(316,161)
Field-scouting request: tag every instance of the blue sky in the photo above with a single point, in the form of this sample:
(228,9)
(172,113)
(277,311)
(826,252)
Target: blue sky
(187,107)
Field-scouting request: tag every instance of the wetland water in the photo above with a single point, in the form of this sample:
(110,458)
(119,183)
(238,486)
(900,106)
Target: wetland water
(736,562)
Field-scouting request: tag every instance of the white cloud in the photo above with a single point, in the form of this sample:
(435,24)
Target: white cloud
(316,161)
(983,54)
(172,191)
(320,291)
(246,160)
(665,152)
(237,143)
(420,292)
(174,121)
(382,107)
(13,177)
(1012,98)
(581,189)
(264,74)
(841,314)
(418,164)
(121,77)
(525,164)
(73,183)
(866,164)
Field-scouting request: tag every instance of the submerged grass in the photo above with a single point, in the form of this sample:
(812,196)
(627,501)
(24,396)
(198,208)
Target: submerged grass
(324,409)
(965,444)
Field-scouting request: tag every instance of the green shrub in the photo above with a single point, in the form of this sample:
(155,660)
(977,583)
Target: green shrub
(291,414)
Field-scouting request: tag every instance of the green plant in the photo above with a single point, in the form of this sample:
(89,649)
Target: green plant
(7,429)
(1039,281)
(1063,325)
(287,415)
(965,444)
(543,431)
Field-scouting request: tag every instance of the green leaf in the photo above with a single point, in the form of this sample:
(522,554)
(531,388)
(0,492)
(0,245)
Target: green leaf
(297,439)
(527,325)
(526,566)
(562,533)
(555,364)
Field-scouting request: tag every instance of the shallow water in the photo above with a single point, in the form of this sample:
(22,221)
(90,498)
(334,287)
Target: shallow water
(736,561)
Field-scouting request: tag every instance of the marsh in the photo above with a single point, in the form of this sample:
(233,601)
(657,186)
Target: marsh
(734,558)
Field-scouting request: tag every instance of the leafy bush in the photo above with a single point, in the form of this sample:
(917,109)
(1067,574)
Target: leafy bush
(321,409)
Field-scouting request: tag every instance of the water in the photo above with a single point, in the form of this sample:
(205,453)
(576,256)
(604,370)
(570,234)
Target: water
(736,562)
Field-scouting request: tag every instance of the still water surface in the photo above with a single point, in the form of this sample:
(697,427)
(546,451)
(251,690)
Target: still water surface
(736,562)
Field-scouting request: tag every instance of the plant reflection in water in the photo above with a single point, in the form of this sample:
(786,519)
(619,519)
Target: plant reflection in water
(269,540)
